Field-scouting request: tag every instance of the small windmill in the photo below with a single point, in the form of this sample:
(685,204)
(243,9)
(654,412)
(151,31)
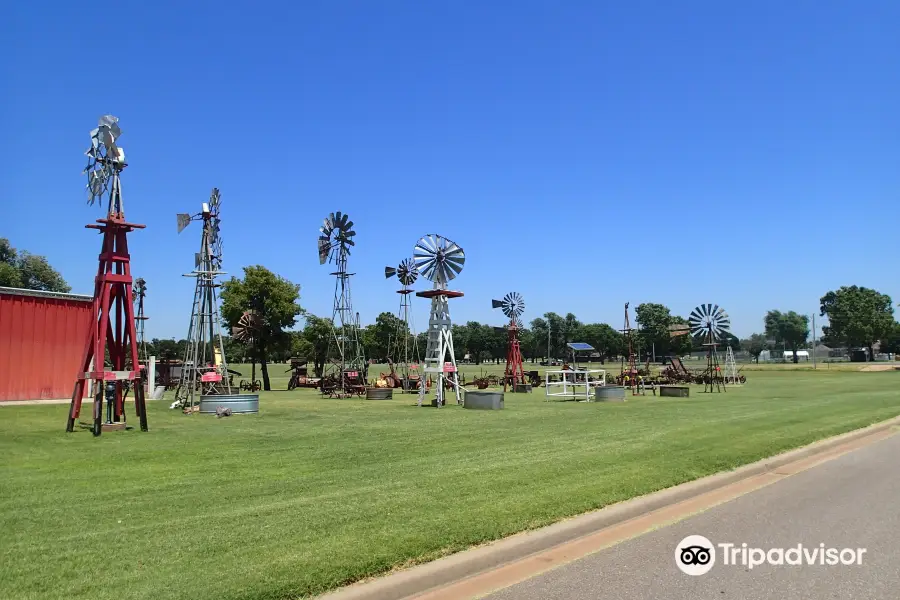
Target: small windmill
(631,371)
(247,331)
(439,260)
(204,371)
(112,329)
(335,240)
(140,292)
(406,273)
(512,306)
(708,324)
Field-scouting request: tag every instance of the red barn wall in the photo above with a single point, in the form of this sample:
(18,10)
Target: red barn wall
(42,337)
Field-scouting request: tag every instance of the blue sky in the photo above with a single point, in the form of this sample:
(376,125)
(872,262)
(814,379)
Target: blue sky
(578,151)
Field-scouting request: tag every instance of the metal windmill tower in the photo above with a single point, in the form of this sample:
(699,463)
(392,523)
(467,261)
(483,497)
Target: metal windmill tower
(112,328)
(439,260)
(631,371)
(335,240)
(512,306)
(708,324)
(140,292)
(406,273)
(204,371)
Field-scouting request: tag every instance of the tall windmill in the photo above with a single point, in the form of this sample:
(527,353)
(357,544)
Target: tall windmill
(140,292)
(335,241)
(708,325)
(112,328)
(512,306)
(439,260)
(204,371)
(631,371)
(406,273)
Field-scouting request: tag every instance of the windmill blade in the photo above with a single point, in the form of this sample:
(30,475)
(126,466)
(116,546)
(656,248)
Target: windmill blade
(389,272)
(184,220)
(324,249)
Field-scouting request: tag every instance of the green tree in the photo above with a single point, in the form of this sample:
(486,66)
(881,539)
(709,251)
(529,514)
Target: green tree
(477,340)
(891,341)
(28,271)
(605,340)
(654,335)
(300,346)
(755,344)
(538,342)
(318,334)
(790,329)
(381,337)
(274,299)
(857,316)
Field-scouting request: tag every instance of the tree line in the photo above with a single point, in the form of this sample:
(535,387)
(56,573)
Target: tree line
(858,317)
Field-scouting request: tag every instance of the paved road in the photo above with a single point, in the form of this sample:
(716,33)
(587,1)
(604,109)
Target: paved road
(849,502)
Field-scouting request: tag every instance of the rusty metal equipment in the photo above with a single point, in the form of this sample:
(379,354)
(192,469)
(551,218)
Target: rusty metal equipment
(112,324)
(300,375)
(247,331)
(512,306)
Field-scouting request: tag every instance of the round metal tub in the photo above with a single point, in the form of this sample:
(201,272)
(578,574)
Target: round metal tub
(374,393)
(238,403)
(612,393)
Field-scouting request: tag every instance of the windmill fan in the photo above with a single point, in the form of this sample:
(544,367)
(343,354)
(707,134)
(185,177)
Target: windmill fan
(512,305)
(247,328)
(438,259)
(407,272)
(105,160)
(337,233)
(215,235)
(709,322)
(140,287)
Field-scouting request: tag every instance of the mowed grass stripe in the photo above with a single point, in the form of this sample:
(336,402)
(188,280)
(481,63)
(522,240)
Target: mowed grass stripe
(312,494)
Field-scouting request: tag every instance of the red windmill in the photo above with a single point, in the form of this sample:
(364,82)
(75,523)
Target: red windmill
(512,306)
(113,329)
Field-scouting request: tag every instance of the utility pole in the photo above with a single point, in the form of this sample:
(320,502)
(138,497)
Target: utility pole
(814,339)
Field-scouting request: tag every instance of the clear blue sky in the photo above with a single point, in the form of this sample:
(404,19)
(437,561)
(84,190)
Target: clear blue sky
(578,151)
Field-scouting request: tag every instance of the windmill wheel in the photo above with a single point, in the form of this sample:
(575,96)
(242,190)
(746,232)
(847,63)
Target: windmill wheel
(709,322)
(438,259)
(336,233)
(248,328)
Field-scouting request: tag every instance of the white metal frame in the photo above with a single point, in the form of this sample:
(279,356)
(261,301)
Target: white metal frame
(731,372)
(570,387)
(440,345)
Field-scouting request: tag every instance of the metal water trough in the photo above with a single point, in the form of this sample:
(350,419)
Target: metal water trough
(674,391)
(374,393)
(238,403)
(483,400)
(609,393)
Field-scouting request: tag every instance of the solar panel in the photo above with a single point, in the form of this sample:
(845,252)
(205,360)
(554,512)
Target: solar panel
(580,346)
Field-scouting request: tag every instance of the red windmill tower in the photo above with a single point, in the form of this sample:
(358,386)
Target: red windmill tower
(512,306)
(631,371)
(112,332)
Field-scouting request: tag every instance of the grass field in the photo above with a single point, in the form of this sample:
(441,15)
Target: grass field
(311,493)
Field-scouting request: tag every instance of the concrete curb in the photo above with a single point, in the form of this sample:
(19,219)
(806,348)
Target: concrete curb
(444,571)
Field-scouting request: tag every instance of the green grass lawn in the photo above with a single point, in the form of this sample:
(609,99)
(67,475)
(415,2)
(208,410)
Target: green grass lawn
(311,493)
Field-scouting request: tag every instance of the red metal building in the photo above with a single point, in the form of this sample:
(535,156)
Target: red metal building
(42,338)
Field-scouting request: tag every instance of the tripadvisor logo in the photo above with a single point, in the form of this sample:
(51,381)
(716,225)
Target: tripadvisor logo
(696,555)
